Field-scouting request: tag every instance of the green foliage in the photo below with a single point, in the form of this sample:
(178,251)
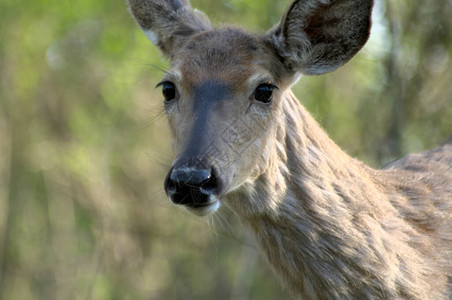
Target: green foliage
(84,146)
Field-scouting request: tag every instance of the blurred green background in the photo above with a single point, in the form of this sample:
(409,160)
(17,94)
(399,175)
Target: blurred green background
(84,146)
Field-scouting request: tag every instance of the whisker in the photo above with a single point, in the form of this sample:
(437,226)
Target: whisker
(225,223)
(157,113)
(157,67)
(163,162)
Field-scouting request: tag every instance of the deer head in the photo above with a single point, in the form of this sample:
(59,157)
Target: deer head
(224,92)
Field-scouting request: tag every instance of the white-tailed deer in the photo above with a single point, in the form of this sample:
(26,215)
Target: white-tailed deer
(330,227)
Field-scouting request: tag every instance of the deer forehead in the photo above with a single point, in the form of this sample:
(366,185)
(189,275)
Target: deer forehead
(230,56)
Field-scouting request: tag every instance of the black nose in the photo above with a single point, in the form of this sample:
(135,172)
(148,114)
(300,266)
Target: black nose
(191,186)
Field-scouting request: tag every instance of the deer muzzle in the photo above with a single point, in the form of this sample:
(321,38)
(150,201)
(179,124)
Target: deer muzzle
(196,188)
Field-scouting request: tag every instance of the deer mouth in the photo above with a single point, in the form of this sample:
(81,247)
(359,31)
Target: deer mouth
(203,209)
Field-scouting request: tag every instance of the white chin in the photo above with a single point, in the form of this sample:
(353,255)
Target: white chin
(205,209)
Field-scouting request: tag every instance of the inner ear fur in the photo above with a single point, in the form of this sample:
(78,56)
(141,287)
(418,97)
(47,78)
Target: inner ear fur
(318,36)
(168,23)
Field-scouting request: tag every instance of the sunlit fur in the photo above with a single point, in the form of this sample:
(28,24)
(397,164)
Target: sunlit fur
(330,226)
(335,228)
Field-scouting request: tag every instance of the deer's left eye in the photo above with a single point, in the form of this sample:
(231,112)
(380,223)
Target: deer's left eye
(264,93)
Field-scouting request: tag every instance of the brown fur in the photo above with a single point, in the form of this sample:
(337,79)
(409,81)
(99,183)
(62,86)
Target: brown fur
(342,230)
(330,227)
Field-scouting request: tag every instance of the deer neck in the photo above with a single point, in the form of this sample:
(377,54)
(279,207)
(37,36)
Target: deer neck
(318,215)
(302,167)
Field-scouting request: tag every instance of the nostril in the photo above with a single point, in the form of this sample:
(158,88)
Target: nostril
(210,184)
(170,185)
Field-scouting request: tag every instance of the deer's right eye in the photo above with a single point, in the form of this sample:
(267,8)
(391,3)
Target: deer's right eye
(168,90)
(264,93)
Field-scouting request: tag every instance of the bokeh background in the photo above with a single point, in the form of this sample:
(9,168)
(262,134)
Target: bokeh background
(84,145)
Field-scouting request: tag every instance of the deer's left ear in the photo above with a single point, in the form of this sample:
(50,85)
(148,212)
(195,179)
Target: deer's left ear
(318,36)
(168,23)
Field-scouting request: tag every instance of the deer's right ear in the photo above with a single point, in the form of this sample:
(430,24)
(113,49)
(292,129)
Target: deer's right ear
(319,36)
(168,23)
